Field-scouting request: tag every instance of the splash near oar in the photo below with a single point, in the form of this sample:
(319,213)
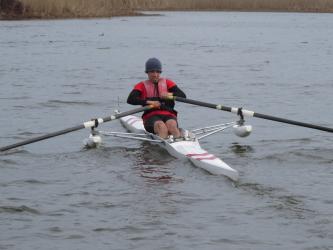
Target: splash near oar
(248,113)
(89,124)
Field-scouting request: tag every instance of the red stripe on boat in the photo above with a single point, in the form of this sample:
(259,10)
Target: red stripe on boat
(207,158)
(202,156)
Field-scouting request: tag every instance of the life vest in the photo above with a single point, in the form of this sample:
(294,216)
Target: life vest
(156,91)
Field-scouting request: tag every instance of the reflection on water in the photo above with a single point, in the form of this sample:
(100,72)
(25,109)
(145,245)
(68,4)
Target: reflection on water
(241,150)
(155,164)
(153,155)
(18,209)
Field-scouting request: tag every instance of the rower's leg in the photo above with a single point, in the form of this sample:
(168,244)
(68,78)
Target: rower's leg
(161,129)
(172,127)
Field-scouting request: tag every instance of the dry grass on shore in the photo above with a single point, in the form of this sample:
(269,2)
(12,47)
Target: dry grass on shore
(108,8)
(65,8)
(76,8)
(239,5)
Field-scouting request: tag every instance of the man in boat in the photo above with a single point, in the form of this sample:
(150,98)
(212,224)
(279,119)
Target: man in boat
(162,119)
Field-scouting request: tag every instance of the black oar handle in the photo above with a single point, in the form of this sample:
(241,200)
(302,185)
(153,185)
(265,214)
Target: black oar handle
(88,124)
(251,113)
(203,104)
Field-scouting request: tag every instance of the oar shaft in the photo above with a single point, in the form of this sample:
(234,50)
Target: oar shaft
(292,122)
(203,104)
(42,137)
(126,113)
(88,124)
(252,114)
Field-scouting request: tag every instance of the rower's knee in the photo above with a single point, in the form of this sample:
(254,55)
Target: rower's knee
(161,129)
(171,124)
(172,127)
(159,125)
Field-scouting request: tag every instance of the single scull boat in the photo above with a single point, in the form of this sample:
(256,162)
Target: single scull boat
(187,147)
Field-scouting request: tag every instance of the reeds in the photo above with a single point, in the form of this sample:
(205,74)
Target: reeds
(239,5)
(108,8)
(67,8)
(76,8)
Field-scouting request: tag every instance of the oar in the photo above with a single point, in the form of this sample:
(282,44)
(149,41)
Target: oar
(88,124)
(249,113)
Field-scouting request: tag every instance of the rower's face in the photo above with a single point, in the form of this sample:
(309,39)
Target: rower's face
(154,75)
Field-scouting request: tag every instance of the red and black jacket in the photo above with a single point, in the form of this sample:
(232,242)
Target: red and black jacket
(138,96)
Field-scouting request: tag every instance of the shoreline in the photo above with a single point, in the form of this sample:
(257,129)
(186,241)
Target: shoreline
(60,17)
(81,9)
(10,17)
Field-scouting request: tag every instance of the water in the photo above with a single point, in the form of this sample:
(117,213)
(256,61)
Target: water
(55,74)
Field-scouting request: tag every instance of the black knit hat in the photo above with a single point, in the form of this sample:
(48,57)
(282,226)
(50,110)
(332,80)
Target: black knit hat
(153,64)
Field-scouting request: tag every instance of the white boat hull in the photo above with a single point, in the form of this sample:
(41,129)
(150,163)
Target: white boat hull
(186,149)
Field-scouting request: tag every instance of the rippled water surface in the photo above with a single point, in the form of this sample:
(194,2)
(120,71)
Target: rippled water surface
(130,195)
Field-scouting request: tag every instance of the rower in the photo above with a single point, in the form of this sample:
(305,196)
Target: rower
(162,119)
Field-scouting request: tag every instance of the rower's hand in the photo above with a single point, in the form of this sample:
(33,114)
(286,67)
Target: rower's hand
(155,104)
(167,96)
